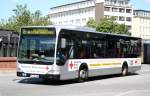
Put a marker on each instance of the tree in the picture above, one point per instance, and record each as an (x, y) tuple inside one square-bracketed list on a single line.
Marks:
[(91, 23), (109, 25), (23, 17), (38, 20)]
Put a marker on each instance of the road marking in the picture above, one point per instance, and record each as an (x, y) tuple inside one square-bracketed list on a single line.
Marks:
[(131, 92)]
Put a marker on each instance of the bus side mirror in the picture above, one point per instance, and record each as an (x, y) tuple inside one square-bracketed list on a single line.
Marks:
[(63, 43)]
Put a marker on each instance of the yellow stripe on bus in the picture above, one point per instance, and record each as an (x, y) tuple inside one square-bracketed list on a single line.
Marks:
[(104, 64)]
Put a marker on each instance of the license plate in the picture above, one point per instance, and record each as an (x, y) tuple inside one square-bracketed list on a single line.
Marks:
[(35, 76)]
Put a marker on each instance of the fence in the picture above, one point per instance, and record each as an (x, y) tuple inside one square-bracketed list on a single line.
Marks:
[(8, 48)]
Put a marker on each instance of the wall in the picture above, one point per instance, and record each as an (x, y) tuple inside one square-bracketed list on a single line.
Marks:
[(7, 62), (141, 27)]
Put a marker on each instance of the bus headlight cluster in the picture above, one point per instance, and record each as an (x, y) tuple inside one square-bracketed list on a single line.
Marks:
[(19, 69)]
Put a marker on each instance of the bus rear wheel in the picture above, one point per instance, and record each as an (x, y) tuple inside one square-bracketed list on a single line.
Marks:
[(82, 75), (124, 70)]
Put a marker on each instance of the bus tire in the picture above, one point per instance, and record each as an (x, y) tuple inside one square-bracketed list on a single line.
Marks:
[(82, 74), (124, 70)]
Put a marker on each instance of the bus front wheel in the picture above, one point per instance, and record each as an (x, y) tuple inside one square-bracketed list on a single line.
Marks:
[(82, 75)]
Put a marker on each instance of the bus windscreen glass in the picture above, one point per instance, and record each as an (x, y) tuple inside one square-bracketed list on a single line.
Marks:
[(37, 46)]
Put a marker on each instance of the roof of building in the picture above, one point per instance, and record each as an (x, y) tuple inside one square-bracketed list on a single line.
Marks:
[(70, 4), (141, 10)]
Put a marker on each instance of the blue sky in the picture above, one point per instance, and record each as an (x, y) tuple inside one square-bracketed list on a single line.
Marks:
[(7, 6)]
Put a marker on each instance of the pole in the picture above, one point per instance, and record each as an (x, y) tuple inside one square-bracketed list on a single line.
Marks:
[(8, 46), (1, 46)]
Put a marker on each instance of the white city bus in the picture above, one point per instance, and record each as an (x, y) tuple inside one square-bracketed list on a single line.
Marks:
[(71, 52)]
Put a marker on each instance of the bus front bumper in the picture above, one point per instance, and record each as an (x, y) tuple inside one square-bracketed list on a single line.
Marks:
[(43, 76)]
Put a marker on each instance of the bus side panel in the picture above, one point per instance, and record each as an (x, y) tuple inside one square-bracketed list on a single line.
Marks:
[(101, 69), (134, 64), (104, 71), (104, 67), (65, 74), (97, 67)]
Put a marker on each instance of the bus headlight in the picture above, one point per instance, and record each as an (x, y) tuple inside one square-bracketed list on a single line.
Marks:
[(19, 69)]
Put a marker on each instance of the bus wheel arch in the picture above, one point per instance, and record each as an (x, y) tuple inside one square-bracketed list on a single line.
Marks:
[(83, 72), (124, 71)]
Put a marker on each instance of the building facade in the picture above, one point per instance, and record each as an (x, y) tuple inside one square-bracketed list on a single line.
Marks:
[(141, 24), (141, 28), (79, 13), (121, 9), (8, 43)]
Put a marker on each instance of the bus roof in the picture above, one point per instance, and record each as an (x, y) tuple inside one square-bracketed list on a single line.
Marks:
[(79, 28)]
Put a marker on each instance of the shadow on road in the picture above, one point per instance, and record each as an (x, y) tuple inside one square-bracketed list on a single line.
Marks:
[(39, 81)]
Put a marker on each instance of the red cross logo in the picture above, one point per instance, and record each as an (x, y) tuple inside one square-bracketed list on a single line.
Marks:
[(137, 61), (46, 68), (71, 65)]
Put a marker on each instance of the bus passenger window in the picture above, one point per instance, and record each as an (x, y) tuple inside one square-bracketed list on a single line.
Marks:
[(82, 54)]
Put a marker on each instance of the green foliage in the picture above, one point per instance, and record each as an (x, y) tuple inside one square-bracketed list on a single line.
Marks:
[(109, 25), (23, 17), (91, 23)]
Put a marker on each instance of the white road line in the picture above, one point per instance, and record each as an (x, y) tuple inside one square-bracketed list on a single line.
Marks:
[(133, 91)]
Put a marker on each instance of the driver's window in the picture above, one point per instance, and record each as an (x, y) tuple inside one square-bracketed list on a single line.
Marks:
[(68, 51)]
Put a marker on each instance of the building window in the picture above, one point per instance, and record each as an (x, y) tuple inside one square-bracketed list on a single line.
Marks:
[(121, 10), (83, 20), (90, 18), (72, 21), (116, 17), (129, 27), (126, 2), (135, 13), (106, 16), (114, 9), (107, 1), (121, 2), (77, 21), (107, 8), (121, 18), (128, 10), (128, 19)]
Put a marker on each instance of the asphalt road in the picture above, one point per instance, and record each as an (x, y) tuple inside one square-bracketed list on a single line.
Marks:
[(137, 84)]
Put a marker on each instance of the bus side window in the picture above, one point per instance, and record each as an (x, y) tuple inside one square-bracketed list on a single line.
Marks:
[(81, 53)]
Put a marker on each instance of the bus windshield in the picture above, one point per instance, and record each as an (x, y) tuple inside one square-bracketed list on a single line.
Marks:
[(37, 46)]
